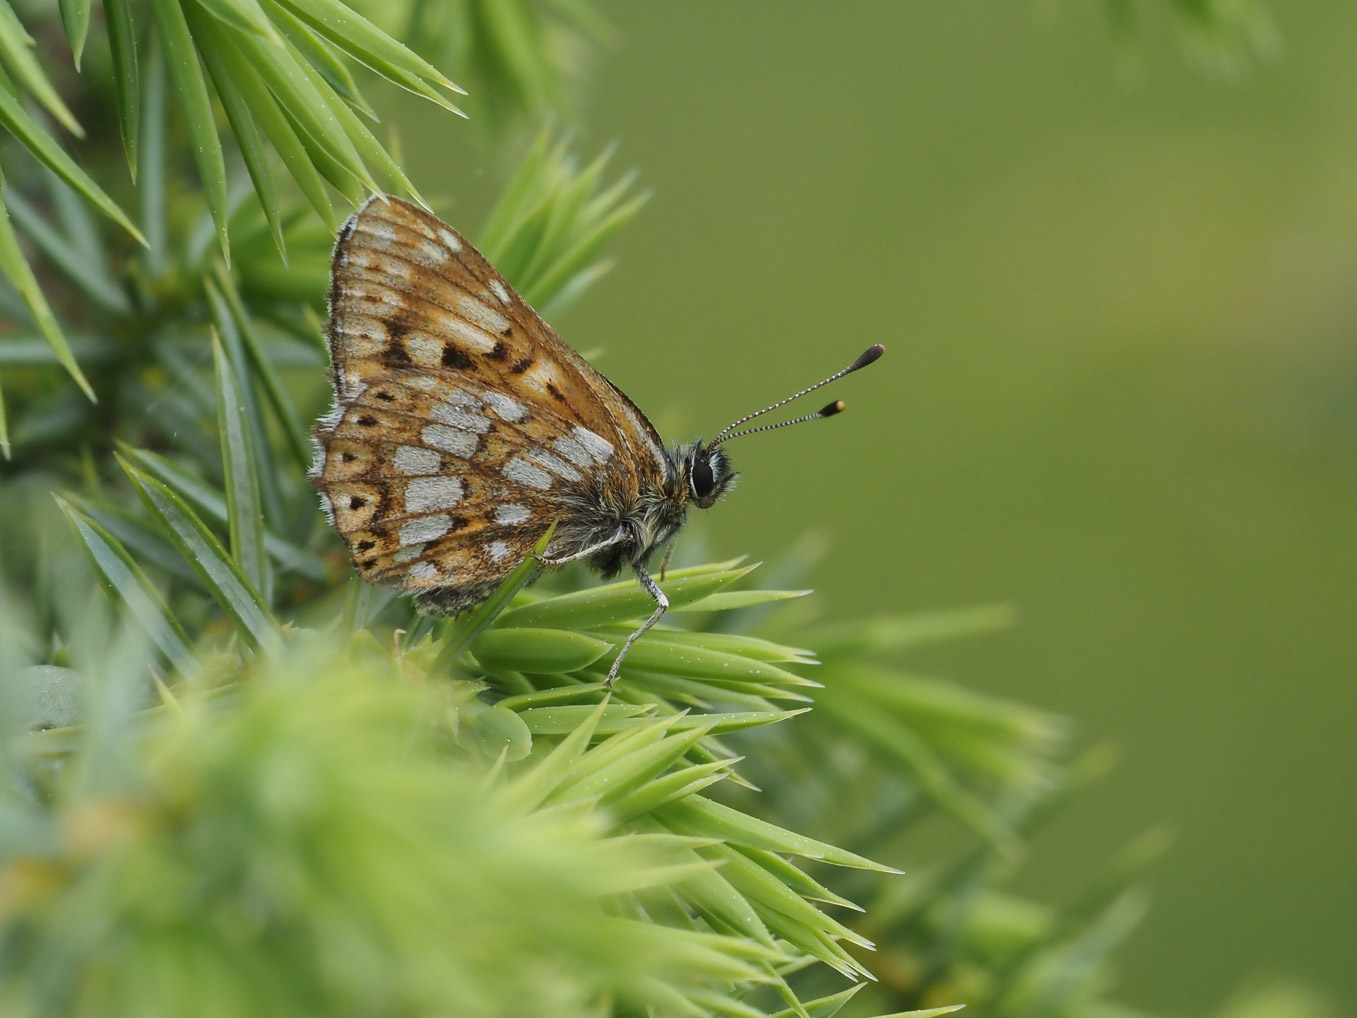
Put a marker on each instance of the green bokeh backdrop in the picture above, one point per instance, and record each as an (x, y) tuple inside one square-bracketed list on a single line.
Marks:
[(1121, 393)]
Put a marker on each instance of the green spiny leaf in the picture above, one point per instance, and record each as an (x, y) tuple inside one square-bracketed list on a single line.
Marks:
[(15, 52), (81, 263), (645, 761), (370, 151), (321, 58), (75, 19), (217, 570), (826, 1007), (17, 270), (458, 636), (19, 123), (316, 113), (283, 408), (129, 585), (732, 600), (537, 650), (355, 35), (618, 602), (212, 502), (239, 462), (243, 15), (704, 818), (667, 788), (122, 44), (181, 57), (231, 70), (252, 149)]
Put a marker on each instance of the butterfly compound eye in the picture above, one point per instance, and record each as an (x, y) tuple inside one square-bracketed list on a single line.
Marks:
[(702, 477)]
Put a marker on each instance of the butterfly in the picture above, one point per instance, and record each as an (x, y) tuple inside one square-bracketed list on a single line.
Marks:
[(464, 427)]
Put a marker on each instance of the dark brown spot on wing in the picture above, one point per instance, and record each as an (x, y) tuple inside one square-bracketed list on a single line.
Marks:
[(521, 366), (367, 421), (499, 353), (365, 545), (357, 502), (556, 394), (455, 358)]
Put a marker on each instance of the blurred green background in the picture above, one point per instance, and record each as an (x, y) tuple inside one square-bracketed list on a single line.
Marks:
[(1120, 393)]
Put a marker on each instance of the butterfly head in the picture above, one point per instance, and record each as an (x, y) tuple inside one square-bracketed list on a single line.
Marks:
[(706, 473)]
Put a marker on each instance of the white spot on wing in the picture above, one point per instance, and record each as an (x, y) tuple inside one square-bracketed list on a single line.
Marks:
[(424, 494), (410, 459), (420, 249), (482, 314), (573, 451), (451, 440), (459, 418), (506, 407), (450, 239), (557, 466), (510, 513), (409, 554), (424, 349), (539, 376), (363, 337), (460, 397), (424, 572), (478, 339), (520, 470), (597, 446), (499, 550), (425, 252), (372, 297), (500, 291), (384, 232), (426, 528)]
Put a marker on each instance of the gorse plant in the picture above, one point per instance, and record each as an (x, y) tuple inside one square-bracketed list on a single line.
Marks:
[(238, 781)]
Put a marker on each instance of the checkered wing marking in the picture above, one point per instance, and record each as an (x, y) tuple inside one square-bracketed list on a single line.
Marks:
[(408, 291), (445, 490)]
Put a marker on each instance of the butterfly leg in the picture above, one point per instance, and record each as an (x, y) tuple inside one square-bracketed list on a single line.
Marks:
[(575, 557), (661, 606), (664, 566)]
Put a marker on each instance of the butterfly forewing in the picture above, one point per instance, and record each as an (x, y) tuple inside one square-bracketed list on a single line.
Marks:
[(408, 290), (464, 425)]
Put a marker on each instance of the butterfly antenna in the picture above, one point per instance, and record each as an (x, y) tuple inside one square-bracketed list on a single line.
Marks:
[(868, 356)]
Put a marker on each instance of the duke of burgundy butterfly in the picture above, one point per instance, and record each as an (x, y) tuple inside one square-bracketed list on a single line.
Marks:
[(463, 427)]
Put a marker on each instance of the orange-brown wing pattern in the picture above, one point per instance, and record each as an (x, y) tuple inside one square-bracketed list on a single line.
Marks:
[(463, 426), (435, 487), (409, 290)]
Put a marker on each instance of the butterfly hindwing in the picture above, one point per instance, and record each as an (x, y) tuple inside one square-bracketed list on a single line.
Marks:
[(434, 484)]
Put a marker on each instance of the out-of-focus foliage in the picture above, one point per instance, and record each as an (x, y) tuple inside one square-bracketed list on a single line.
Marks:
[(328, 831), (276, 71), (1222, 37), (517, 57), (237, 779)]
